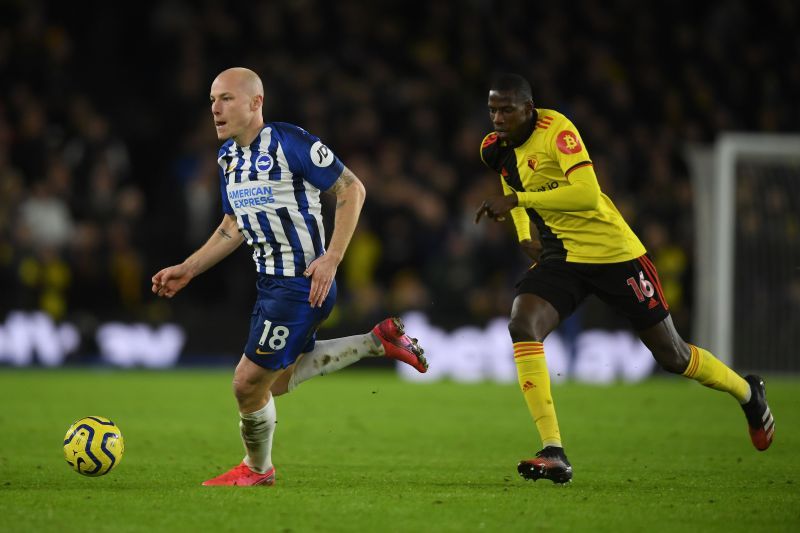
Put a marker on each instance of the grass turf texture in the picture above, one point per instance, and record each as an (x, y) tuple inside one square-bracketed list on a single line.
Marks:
[(363, 451)]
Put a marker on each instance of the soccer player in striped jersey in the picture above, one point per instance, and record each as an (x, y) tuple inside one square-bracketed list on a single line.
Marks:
[(583, 247), (271, 177)]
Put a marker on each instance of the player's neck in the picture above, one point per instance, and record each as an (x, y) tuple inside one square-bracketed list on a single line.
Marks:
[(250, 134), (527, 131)]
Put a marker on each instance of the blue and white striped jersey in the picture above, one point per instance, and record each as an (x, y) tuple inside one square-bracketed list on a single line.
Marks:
[(273, 186)]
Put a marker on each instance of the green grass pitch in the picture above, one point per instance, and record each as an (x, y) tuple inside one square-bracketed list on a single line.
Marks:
[(362, 451)]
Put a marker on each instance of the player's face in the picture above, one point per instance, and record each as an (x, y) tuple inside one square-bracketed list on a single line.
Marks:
[(510, 115), (231, 107)]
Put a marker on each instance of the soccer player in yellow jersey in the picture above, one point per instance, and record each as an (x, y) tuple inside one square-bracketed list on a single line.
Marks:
[(583, 247)]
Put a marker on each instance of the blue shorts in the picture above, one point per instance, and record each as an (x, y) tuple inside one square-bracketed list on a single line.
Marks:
[(283, 324)]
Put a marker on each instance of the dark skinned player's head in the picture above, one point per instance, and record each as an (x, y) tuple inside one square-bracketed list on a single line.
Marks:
[(511, 106)]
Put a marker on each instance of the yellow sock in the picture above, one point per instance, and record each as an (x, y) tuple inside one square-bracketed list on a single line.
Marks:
[(713, 373), (534, 380)]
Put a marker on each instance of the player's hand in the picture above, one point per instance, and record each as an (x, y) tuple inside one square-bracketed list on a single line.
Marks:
[(532, 249), (167, 282), (496, 207), (322, 270)]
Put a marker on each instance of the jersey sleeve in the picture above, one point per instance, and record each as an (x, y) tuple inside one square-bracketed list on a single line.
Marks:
[(310, 158), (491, 155), (490, 152), (565, 146), (226, 203), (522, 222)]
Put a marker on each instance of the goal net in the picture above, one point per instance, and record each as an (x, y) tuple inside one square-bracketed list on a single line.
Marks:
[(748, 251)]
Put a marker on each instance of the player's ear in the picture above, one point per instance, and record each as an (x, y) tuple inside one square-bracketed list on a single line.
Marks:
[(256, 102), (529, 107)]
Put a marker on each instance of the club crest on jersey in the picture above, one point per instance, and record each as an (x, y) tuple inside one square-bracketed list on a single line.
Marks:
[(568, 143), (321, 155), (532, 162), (264, 163)]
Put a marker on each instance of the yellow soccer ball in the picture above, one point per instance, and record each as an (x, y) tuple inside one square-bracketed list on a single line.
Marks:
[(93, 446)]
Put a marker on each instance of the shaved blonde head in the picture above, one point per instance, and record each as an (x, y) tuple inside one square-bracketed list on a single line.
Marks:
[(247, 80), (237, 96)]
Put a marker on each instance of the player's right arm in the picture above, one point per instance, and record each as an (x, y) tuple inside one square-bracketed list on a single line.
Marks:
[(222, 242), (521, 221), (527, 234), (528, 240)]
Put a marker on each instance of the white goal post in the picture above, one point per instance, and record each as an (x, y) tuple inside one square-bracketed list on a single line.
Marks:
[(772, 161)]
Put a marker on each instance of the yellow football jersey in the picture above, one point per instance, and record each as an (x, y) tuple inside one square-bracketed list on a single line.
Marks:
[(557, 189)]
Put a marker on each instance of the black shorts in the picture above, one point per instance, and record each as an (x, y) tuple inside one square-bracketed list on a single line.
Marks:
[(631, 287)]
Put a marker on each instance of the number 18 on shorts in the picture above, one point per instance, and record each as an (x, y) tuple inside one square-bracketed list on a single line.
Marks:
[(283, 324)]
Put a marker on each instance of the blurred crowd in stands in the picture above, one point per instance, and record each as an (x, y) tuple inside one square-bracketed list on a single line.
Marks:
[(108, 153)]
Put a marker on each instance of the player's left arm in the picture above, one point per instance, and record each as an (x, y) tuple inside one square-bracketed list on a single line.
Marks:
[(350, 195), (583, 192)]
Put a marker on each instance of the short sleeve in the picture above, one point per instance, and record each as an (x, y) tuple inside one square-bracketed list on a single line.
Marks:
[(310, 157), (226, 203)]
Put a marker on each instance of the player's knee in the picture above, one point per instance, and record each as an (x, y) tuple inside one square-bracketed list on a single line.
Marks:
[(522, 330), (247, 392)]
